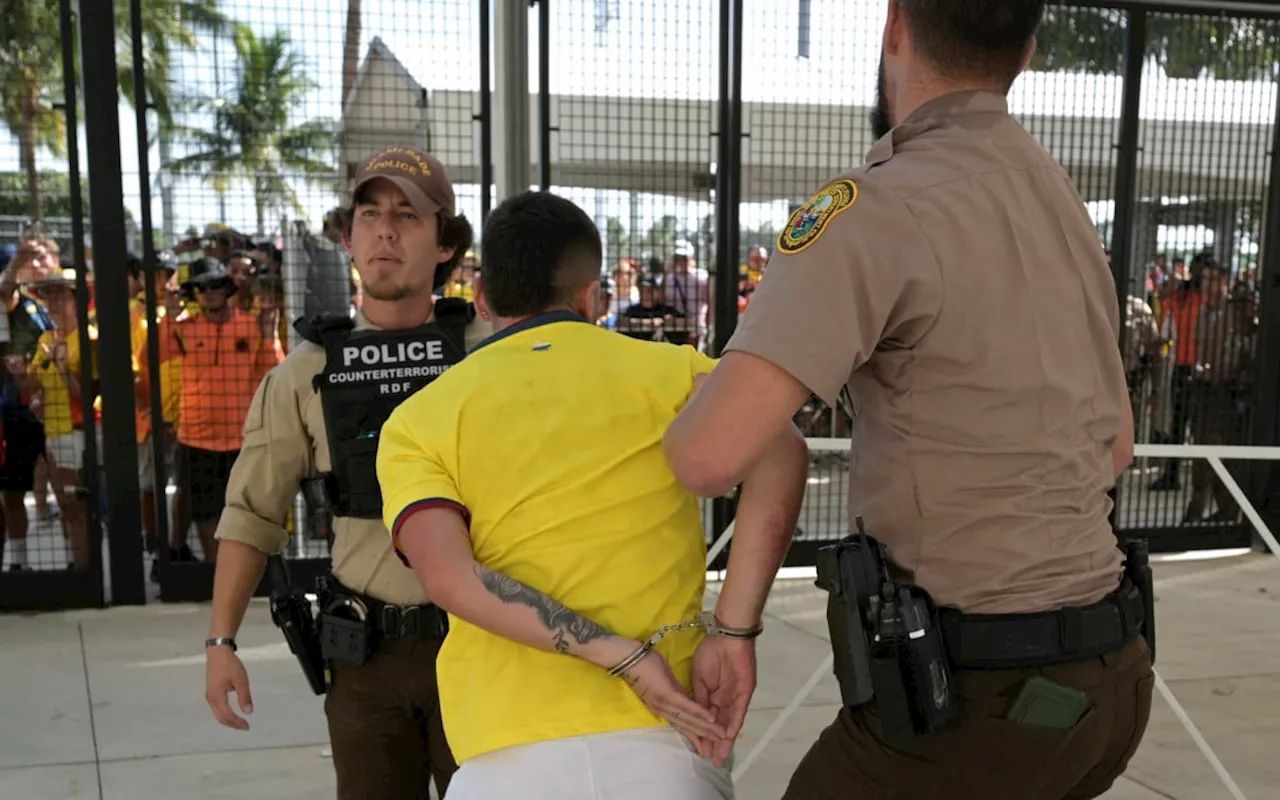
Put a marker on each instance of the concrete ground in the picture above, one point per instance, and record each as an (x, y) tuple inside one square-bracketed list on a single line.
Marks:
[(109, 704)]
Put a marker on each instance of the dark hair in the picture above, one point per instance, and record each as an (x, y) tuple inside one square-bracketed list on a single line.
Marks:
[(268, 284), (455, 232), (539, 249), (270, 249), (135, 266), (452, 232), (977, 38)]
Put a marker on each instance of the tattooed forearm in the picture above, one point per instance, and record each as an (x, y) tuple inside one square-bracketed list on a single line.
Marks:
[(562, 622)]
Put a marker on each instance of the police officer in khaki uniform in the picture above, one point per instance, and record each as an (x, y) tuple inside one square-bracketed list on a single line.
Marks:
[(404, 237), (955, 287)]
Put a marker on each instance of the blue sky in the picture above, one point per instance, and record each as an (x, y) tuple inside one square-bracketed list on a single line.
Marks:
[(665, 49)]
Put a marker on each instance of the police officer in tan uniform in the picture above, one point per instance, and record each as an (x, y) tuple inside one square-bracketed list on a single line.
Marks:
[(955, 287), (380, 630)]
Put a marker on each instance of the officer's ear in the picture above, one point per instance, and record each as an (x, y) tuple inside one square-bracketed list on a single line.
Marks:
[(895, 30), (1028, 55)]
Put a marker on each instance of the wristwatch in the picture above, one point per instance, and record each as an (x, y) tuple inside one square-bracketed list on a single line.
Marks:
[(221, 641)]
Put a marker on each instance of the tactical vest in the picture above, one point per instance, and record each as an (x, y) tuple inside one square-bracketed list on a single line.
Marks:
[(366, 375)]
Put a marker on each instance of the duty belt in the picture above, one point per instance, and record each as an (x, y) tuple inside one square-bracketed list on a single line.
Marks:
[(1000, 641), (399, 622), (413, 622)]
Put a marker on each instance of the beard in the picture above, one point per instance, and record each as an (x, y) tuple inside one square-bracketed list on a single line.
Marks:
[(389, 292), (881, 123)]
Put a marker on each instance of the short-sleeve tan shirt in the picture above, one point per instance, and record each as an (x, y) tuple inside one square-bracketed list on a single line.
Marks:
[(284, 442), (965, 300)]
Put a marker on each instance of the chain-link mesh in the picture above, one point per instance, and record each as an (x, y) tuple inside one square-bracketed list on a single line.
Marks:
[(1208, 110), (632, 111), (48, 485), (265, 122), (632, 90), (259, 115)]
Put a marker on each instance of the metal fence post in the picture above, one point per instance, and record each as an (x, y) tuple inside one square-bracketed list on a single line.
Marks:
[(728, 173), (485, 117), (1126, 185), (544, 94), (511, 33), (1266, 384), (141, 103), (728, 198), (111, 279), (70, 92)]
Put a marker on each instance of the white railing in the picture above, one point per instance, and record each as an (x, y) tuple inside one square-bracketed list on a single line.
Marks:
[(1213, 454)]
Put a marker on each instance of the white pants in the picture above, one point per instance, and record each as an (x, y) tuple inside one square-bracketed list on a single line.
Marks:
[(642, 764), (66, 451)]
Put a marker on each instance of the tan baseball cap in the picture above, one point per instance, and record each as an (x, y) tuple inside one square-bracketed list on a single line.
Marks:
[(421, 177)]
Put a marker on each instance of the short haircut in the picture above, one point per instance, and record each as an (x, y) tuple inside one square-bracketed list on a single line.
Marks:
[(974, 38), (455, 232), (539, 250), (452, 232)]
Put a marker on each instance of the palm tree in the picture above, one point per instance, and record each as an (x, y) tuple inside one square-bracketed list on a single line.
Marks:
[(31, 68), (30, 56), (167, 25), (252, 138)]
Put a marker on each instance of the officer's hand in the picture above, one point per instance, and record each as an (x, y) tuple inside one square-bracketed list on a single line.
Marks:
[(724, 678), (224, 673), (653, 681)]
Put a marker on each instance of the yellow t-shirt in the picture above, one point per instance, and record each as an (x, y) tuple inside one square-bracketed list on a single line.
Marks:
[(59, 416), (549, 435), (170, 377)]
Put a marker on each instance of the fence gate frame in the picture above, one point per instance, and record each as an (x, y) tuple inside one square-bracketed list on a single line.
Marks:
[(99, 94)]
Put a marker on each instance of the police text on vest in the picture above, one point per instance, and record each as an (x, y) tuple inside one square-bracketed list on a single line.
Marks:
[(393, 353)]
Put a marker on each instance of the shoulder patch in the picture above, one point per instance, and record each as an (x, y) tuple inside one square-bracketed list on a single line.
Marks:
[(810, 220)]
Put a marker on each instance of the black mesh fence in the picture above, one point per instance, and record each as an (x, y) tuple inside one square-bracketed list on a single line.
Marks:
[(632, 112), (258, 115), (49, 464), (265, 118), (1209, 102)]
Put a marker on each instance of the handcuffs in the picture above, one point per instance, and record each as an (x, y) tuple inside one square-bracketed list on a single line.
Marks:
[(705, 621)]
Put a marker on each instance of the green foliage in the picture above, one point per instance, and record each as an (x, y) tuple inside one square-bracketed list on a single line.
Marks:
[(167, 27), (253, 138), (1225, 48), (31, 72), (55, 186)]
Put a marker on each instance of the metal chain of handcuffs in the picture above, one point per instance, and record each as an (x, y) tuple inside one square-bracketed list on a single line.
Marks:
[(705, 621)]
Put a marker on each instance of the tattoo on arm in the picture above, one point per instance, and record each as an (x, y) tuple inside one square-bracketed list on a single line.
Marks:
[(555, 617)]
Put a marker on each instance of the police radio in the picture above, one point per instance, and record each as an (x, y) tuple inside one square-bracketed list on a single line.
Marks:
[(887, 641)]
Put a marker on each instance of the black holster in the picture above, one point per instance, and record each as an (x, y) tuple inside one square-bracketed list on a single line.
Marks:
[(353, 625), (887, 641), (291, 613), (1137, 568), (894, 646), (346, 634)]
